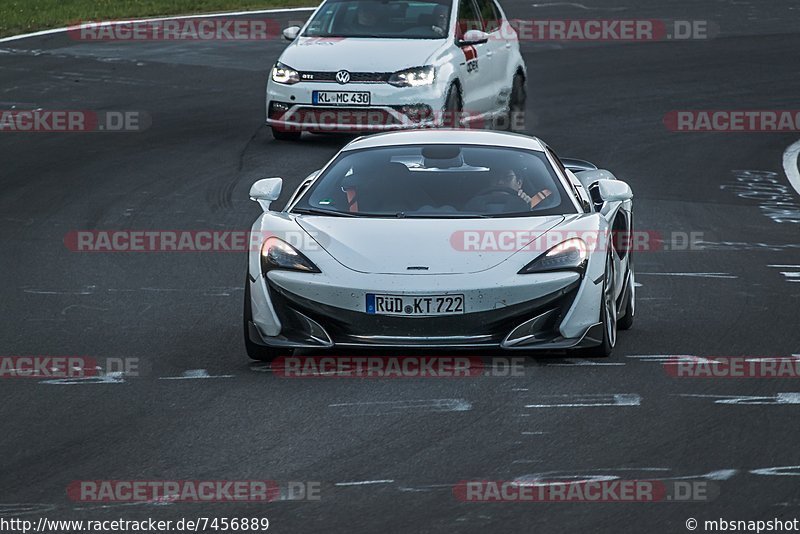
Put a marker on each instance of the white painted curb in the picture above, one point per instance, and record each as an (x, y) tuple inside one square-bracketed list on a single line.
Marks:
[(790, 165)]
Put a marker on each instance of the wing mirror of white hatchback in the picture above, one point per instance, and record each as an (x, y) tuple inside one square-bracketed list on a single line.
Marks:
[(614, 191), (291, 33), (265, 191), (473, 37)]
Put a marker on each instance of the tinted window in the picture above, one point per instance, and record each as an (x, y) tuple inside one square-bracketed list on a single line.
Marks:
[(468, 18), (431, 181), (489, 14), (390, 19)]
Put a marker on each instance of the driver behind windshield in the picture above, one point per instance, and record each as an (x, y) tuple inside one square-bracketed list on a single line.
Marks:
[(367, 16), (506, 195), (512, 181)]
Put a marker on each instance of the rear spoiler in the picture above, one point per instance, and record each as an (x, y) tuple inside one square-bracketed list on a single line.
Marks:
[(578, 165)]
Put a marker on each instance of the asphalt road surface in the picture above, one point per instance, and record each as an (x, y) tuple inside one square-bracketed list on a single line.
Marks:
[(386, 454)]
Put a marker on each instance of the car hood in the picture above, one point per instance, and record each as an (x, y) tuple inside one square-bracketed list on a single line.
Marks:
[(444, 246), (330, 54)]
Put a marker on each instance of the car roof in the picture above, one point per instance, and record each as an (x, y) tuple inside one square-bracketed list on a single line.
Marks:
[(447, 137)]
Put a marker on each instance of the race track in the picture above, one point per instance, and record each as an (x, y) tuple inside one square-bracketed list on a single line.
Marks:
[(413, 439)]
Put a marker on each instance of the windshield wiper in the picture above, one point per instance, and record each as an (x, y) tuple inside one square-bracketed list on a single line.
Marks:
[(443, 215), (318, 211)]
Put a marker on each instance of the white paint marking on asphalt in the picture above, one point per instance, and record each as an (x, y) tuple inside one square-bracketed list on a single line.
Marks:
[(133, 21), (738, 245), (574, 362), (396, 407), (590, 401), (793, 471), (790, 165), (365, 482), (611, 473), (779, 399), (87, 290), (693, 275), (541, 479), (790, 276), (109, 378), (637, 284), (429, 487), (534, 433), (722, 474), (672, 359), (15, 509), (194, 374)]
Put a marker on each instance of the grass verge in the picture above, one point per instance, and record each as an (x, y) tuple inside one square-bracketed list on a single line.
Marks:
[(25, 16)]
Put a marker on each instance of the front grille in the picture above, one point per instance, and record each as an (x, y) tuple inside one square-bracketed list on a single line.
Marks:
[(355, 77), (344, 326)]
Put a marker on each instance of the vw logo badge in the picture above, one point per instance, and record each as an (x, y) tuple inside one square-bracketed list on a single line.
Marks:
[(343, 77)]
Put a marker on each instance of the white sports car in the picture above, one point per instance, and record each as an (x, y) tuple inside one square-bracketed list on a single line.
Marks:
[(442, 238), (372, 65)]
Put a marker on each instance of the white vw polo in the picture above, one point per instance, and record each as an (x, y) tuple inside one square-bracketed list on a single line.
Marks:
[(373, 65)]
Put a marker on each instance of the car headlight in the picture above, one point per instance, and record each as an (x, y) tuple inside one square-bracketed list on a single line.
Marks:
[(283, 74), (278, 254), (571, 255), (413, 77)]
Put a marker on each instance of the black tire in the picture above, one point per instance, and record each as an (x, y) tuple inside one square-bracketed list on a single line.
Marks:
[(255, 351), (452, 108), (282, 135), (515, 120), (626, 321), (608, 316)]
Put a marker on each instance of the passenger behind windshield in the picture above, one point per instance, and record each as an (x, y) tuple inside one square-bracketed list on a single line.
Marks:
[(398, 19)]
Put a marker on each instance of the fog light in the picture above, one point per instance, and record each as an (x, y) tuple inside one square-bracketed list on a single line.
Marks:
[(277, 109), (416, 112)]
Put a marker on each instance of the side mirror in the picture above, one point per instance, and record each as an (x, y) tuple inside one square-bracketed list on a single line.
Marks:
[(265, 191), (614, 191), (291, 33), (473, 37)]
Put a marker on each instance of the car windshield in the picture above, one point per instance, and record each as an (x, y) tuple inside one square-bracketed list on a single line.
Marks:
[(437, 181), (401, 19)]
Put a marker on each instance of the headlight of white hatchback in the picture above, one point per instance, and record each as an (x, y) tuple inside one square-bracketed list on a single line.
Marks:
[(283, 74), (413, 77)]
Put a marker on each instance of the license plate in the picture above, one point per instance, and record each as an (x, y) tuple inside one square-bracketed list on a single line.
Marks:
[(341, 98), (411, 306)]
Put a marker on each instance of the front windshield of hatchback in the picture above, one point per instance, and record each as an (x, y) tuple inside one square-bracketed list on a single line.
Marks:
[(437, 181), (398, 19)]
